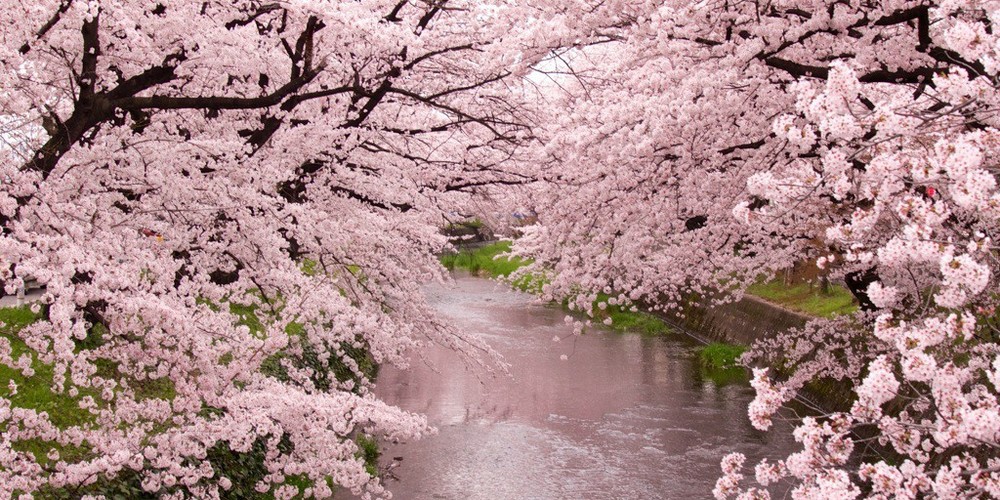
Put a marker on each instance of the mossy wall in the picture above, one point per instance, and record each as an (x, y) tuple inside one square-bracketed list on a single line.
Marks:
[(747, 320), (740, 322)]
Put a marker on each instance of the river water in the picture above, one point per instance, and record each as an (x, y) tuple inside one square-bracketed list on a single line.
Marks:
[(625, 416)]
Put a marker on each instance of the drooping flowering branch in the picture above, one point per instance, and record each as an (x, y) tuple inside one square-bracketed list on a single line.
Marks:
[(716, 143), (233, 207)]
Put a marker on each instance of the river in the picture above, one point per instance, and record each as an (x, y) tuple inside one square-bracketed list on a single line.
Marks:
[(625, 416)]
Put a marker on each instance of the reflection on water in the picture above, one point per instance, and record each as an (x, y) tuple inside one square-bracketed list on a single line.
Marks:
[(626, 416)]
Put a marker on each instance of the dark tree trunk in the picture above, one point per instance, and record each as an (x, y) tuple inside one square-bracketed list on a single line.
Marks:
[(857, 282)]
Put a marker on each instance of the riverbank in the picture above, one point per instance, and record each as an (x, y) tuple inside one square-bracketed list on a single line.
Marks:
[(726, 330), (488, 261), (766, 309)]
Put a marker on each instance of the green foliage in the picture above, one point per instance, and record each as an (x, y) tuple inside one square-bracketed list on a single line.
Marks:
[(35, 392), (488, 261), (625, 320), (807, 298), (720, 356), (368, 451), (718, 362), (126, 485), (324, 373), (485, 260), (244, 470)]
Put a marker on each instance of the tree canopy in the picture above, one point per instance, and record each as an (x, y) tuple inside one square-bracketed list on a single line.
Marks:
[(711, 144), (233, 206)]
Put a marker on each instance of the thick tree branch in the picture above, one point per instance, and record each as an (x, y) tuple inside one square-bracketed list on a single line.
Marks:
[(217, 102)]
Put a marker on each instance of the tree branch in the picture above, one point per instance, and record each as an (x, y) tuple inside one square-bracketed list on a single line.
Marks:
[(217, 102)]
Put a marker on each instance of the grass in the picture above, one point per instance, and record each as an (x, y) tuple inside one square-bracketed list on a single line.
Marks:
[(626, 320), (485, 260), (35, 392), (368, 450), (720, 356), (806, 298), (718, 362), (638, 322), (489, 261), (803, 297)]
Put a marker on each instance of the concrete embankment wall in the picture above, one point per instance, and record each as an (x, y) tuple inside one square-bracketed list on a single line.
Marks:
[(747, 320), (740, 322)]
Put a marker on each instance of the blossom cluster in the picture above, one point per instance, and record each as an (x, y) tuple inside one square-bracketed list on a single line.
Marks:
[(233, 207), (859, 136)]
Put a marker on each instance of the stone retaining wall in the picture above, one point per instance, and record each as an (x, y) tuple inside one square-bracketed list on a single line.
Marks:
[(740, 322), (747, 320)]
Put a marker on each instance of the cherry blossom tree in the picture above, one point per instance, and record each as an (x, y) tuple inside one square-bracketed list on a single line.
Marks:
[(710, 144), (232, 206)]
